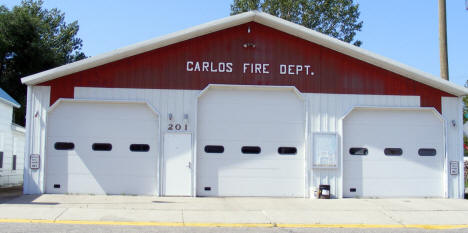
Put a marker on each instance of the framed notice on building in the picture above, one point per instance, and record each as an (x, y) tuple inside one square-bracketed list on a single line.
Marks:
[(325, 150), (34, 161)]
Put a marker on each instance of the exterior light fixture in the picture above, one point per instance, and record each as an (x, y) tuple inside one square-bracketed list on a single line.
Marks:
[(247, 45)]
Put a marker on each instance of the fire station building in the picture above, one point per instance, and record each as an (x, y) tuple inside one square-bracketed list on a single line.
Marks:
[(248, 105)]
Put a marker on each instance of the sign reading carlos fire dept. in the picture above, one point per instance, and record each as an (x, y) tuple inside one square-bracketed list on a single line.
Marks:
[(248, 68)]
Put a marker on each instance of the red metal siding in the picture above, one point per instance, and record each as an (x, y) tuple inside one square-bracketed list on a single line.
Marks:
[(165, 68)]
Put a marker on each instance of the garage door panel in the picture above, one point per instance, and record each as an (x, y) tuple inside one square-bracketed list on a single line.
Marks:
[(269, 150), (280, 97), (409, 130), (250, 168), (234, 119), (88, 184), (394, 187), (392, 170), (237, 113), (101, 127), (251, 132), (118, 171), (232, 186), (112, 165), (397, 117)]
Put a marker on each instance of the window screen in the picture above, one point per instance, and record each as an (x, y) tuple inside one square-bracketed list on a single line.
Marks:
[(251, 150), (139, 147), (393, 151), (287, 150), (358, 151), (214, 149), (64, 146), (427, 152), (14, 163), (102, 146)]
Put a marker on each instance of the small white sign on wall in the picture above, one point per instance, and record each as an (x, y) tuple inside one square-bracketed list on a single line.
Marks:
[(325, 150), (453, 167), (34, 161)]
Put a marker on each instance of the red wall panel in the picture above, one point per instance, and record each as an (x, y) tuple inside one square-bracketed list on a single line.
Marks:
[(165, 68)]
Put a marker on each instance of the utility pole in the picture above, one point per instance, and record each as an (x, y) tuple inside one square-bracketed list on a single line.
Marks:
[(443, 41)]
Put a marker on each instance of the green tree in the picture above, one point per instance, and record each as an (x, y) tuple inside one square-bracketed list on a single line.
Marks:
[(336, 18), (33, 39)]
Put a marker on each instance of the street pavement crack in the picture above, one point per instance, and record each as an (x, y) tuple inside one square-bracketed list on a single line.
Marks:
[(384, 211), (182, 213), (61, 213), (268, 218)]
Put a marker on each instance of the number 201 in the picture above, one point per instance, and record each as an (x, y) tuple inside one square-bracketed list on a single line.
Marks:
[(177, 127)]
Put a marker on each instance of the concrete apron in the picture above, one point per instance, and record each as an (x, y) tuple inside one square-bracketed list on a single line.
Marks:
[(236, 212)]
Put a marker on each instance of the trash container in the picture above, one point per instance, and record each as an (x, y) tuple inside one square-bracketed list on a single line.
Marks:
[(324, 191)]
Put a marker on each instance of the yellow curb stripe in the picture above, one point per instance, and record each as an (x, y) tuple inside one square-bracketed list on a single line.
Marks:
[(194, 224), (339, 226), (437, 227), (229, 225)]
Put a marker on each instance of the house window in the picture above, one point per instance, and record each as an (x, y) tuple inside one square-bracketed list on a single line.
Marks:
[(214, 149), (139, 147), (1, 159), (393, 151), (427, 152), (251, 150), (102, 147), (14, 163), (358, 151)]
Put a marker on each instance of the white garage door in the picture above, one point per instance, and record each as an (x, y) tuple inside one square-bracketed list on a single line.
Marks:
[(102, 148), (250, 143), (393, 153)]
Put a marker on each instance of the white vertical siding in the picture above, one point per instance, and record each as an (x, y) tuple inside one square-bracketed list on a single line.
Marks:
[(325, 112), (38, 101), (452, 110)]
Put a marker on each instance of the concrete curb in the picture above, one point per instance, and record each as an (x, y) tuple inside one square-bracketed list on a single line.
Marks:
[(266, 225)]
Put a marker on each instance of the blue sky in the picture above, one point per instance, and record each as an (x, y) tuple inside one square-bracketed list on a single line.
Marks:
[(406, 31)]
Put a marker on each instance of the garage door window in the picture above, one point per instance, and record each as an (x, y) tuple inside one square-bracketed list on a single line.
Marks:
[(393, 151), (251, 150), (214, 149), (358, 151), (427, 152), (287, 150), (139, 147), (102, 147), (64, 146)]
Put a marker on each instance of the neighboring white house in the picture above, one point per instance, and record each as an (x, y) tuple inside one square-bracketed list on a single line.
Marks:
[(11, 143)]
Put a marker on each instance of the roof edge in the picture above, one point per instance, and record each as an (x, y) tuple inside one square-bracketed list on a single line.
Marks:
[(9, 103), (262, 18), (360, 53), (139, 48)]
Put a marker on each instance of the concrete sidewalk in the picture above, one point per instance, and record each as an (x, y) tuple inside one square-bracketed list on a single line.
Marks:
[(287, 212)]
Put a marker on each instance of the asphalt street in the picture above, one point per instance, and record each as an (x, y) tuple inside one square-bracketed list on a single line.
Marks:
[(52, 228)]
